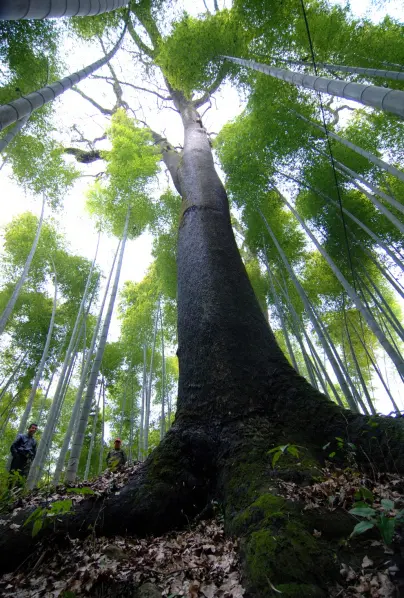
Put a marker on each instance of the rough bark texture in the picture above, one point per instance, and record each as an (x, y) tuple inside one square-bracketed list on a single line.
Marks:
[(238, 397)]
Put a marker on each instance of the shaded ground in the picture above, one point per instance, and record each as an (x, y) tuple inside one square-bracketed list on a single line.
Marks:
[(201, 562)]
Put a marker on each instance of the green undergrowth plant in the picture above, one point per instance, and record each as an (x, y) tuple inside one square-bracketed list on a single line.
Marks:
[(385, 519), (278, 451), (43, 516), (344, 449), (12, 487)]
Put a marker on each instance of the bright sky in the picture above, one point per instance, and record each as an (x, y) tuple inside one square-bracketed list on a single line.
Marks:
[(72, 109)]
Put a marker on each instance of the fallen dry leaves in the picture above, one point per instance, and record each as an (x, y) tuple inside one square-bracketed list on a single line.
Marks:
[(197, 563), (200, 562)]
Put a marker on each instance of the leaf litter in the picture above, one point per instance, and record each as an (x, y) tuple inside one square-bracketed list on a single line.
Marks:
[(200, 562)]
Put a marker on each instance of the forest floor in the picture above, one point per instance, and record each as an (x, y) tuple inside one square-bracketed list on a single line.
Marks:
[(202, 561)]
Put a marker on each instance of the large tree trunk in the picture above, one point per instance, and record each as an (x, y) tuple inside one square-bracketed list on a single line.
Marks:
[(238, 397)]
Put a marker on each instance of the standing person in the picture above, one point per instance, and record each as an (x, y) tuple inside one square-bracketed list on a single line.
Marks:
[(23, 451), (116, 457)]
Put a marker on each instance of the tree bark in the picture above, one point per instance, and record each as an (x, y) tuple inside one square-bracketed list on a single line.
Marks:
[(150, 385), (12, 133), (390, 100), (10, 10), (140, 455), (370, 320), (12, 375), (41, 366), (354, 175), (371, 157), (77, 445), (238, 396), (280, 315), (83, 381), (93, 434), (24, 106), (163, 376), (51, 420), (355, 70), (342, 382), (13, 299), (101, 453)]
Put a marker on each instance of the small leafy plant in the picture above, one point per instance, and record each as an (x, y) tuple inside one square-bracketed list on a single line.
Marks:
[(43, 516), (283, 449), (380, 519), (347, 449), (84, 491)]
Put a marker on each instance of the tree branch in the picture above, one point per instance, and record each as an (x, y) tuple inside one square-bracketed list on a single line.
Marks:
[(82, 156), (214, 87), (165, 98), (138, 41), (105, 111), (170, 156)]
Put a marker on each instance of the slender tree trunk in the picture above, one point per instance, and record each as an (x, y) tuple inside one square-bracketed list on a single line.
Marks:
[(131, 420), (394, 282), (8, 138), (390, 100), (12, 375), (10, 10), (383, 307), (356, 70), (60, 397), (93, 433), (12, 301), (371, 157), (163, 376), (8, 410), (83, 381), (71, 470), (280, 314), (24, 106), (313, 319), (149, 390), (370, 320), (376, 369), (143, 407), (43, 446), (363, 226), (43, 402), (101, 454), (41, 366), (297, 326), (358, 369), (355, 176), (123, 407), (385, 211)]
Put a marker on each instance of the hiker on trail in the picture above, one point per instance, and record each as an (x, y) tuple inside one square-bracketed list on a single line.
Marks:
[(23, 451), (116, 457)]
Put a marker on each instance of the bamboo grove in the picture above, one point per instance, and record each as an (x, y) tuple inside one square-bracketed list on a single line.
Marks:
[(314, 168)]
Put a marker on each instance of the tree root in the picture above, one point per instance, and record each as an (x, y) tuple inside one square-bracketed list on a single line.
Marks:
[(232, 465)]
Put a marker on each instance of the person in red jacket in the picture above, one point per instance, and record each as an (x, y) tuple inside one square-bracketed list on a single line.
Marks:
[(116, 457)]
